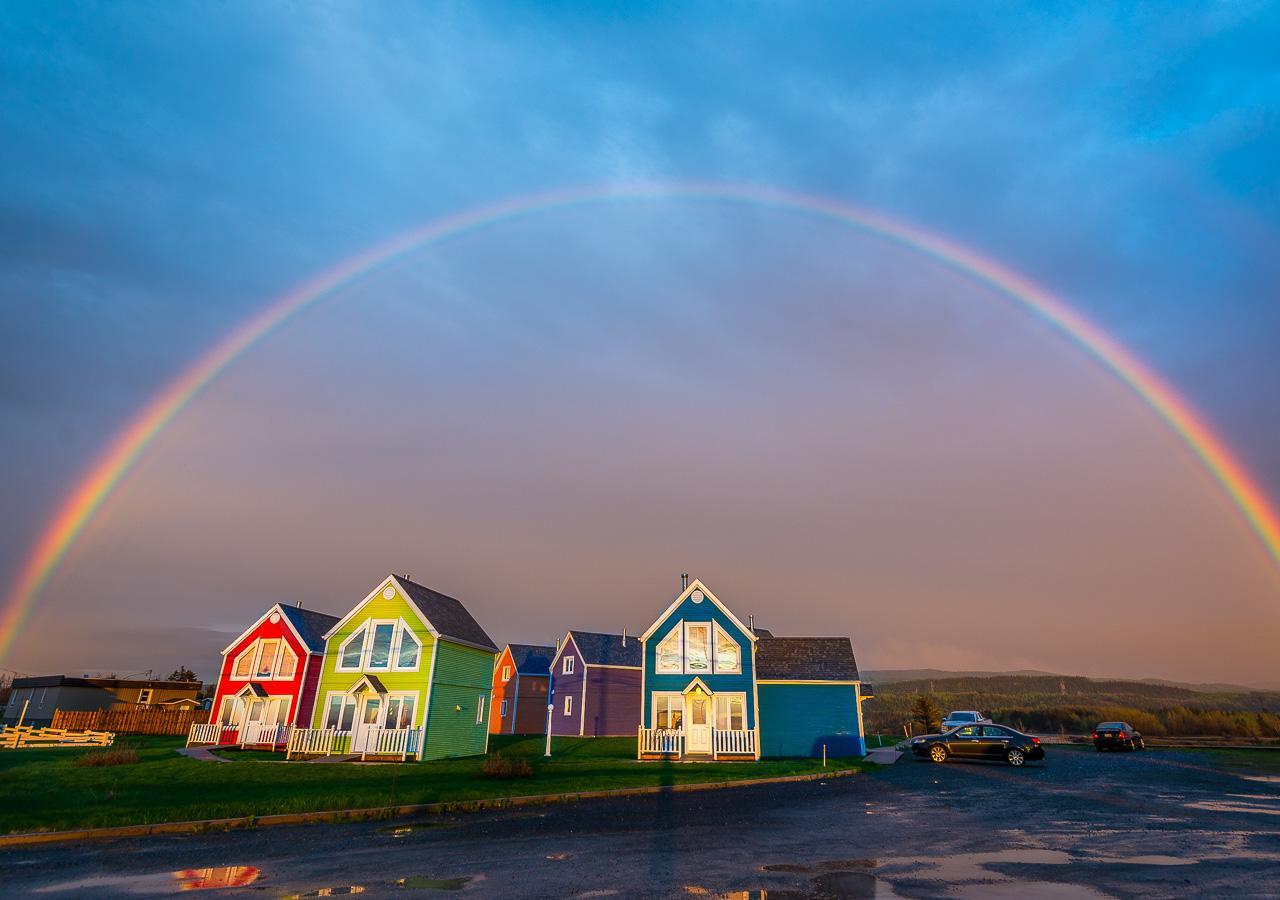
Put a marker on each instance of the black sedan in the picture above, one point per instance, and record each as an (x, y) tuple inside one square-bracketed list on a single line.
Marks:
[(1118, 736), (991, 742)]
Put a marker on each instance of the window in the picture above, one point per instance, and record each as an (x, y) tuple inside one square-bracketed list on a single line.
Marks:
[(288, 665), (729, 712), (568, 704), (968, 731), (232, 711), (480, 710), (566, 667), (352, 650), (400, 711), (266, 659), (410, 648), (697, 643), (668, 710), (728, 653), (340, 712), (244, 662), (668, 653), (994, 731), (506, 673), (502, 710), (380, 646), (144, 696)]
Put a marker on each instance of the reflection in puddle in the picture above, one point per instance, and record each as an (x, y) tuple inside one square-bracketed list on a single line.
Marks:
[(214, 878), (329, 892), (1268, 779), (1236, 806)]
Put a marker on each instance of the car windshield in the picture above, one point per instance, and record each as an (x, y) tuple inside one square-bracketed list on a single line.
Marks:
[(962, 717), (1111, 725)]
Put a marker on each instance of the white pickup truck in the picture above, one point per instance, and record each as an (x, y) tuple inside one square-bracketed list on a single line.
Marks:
[(959, 717)]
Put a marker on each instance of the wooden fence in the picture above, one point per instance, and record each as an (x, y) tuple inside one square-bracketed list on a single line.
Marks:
[(131, 720), (15, 738)]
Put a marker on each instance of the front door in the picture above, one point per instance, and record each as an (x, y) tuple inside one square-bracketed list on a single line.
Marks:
[(697, 723), (368, 718)]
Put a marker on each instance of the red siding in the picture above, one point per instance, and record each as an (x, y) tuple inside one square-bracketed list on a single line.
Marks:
[(293, 688), (498, 723)]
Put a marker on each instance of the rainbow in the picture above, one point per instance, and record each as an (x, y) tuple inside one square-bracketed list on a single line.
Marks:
[(104, 474)]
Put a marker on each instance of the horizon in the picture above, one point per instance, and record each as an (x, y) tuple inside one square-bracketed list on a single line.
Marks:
[(550, 414)]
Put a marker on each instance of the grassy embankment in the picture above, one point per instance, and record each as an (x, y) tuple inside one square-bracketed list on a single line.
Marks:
[(1050, 703), (44, 790)]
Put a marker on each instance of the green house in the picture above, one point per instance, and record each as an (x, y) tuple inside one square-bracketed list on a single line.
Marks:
[(408, 672)]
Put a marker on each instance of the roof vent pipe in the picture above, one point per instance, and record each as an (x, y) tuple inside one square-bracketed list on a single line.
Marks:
[(624, 637), (684, 581), (751, 622)]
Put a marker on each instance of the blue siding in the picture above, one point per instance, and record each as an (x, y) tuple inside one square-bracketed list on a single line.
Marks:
[(706, 611), (797, 719)]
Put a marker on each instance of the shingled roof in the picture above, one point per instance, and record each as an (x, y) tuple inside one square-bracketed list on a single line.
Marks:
[(600, 649), (805, 659), (532, 659), (311, 625), (447, 615)]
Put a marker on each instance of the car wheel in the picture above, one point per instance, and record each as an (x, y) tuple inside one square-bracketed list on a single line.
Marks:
[(938, 753), (1016, 757)]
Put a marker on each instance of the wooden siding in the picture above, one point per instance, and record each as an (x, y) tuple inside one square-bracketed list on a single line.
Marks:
[(571, 685), (503, 690), (797, 719), (706, 611), (613, 702), (463, 674), (291, 688), (531, 705)]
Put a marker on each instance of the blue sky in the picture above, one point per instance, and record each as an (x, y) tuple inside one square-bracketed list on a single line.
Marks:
[(167, 168)]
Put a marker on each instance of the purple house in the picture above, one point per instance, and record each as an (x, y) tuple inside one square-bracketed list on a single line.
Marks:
[(595, 685)]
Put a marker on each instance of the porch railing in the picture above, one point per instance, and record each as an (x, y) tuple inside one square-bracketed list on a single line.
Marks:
[(259, 734), (726, 741), (662, 740), (212, 734), (311, 742), (391, 742)]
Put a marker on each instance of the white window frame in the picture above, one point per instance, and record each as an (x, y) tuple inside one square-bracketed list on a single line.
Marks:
[(716, 632), (362, 633), (252, 652), (668, 696), (397, 639), (568, 704), (367, 657), (401, 696), (684, 646), (729, 695), (566, 665), (502, 709), (678, 631), (144, 697), (506, 674), (480, 710), (355, 707), (285, 650), (275, 662)]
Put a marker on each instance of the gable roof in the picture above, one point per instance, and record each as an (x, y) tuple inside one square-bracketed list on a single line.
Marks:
[(445, 617), (310, 625), (697, 585), (805, 659), (600, 649), (531, 659)]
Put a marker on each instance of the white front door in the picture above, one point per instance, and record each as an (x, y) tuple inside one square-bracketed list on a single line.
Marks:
[(697, 723), (368, 718)]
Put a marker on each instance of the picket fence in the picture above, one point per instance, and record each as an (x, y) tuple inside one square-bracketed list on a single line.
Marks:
[(28, 737), (131, 720)]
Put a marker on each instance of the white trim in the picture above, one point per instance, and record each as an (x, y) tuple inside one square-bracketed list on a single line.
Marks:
[(653, 708), (678, 630), (480, 719), (582, 714), (363, 633), (366, 658), (568, 705), (697, 682), (800, 681), (709, 646), (404, 595), (366, 682), (569, 665), (609, 666), (266, 615), (684, 595), (506, 674), (397, 643), (716, 630), (515, 705)]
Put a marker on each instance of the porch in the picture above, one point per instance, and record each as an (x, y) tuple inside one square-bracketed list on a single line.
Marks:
[(294, 742), (687, 744)]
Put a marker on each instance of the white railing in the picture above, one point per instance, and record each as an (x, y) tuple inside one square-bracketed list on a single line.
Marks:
[(391, 742), (310, 742), (212, 734), (662, 740), (260, 733), (728, 741)]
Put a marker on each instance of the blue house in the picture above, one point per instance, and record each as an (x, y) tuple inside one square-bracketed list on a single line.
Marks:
[(715, 688)]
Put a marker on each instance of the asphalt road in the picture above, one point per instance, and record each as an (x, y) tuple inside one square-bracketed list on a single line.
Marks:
[(1081, 824)]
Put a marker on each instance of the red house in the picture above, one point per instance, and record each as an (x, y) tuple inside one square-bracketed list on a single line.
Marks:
[(520, 680), (269, 675)]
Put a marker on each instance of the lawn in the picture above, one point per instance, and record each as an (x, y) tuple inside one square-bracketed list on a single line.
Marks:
[(1251, 762), (44, 790)]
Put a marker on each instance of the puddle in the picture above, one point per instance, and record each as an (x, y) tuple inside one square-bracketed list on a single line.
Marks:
[(1266, 779), (784, 867), (426, 882), (1154, 859), (329, 892), (1235, 806), (1042, 890), (973, 866), (211, 879), (849, 884), (559, 857)]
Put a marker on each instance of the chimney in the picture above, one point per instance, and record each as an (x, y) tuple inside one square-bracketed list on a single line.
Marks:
[(751, 623), (298, 604), (684, 581)]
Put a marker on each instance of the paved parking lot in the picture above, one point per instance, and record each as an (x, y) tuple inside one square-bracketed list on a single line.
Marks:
[(1081, 824)]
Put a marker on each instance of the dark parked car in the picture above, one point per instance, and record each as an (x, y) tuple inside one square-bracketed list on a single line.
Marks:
[(1117, 736), (993, 742)]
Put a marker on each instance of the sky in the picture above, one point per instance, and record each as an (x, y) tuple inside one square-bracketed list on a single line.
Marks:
[(554, 416)]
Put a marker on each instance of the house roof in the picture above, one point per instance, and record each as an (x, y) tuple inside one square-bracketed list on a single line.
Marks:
[(697, 586), (763, 633), (805, 659), (446, 615), (35, 681), (310, 625), (532, 659), (599, 649)]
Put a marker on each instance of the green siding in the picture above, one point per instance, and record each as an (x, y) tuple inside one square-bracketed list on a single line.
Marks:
[(378, 608), (462, 676), (797, 719)]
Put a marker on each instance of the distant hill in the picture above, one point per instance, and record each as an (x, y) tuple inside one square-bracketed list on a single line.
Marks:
[(895, 676)]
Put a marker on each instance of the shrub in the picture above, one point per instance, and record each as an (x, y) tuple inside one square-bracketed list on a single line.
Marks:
[(504, 767), (109, 756)]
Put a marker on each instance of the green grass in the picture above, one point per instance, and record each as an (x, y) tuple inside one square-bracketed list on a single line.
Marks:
[(44, 790), (1250, 762)]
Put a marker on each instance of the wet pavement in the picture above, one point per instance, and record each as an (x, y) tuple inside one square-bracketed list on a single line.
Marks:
[(1081, 824)]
